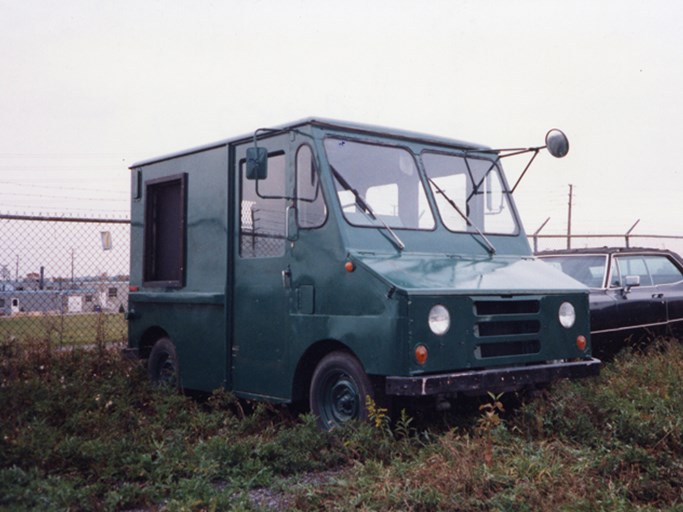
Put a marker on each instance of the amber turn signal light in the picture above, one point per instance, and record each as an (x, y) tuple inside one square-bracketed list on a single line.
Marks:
[(421, 354), (581, 342), (349, 266)]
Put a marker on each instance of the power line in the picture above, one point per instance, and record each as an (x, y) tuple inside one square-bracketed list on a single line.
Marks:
[(62, 208), (66, 167), (44, 196), (69, 155), (58, 187)]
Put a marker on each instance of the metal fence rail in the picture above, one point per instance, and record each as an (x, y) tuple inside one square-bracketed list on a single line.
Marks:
[(63, 279), (569, 240)]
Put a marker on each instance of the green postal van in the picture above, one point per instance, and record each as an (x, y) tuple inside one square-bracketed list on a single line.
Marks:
[(324, 262)]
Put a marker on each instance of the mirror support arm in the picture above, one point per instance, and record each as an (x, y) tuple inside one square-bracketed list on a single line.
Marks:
[(556, 143), (525, 170)]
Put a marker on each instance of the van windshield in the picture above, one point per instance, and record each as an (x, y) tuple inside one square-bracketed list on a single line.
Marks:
[(386, 179), (470, 194)]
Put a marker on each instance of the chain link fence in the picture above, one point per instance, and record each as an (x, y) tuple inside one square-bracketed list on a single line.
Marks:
[(63, 280)]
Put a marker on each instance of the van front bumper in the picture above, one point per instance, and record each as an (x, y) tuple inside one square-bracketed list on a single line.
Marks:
[(493, 380)]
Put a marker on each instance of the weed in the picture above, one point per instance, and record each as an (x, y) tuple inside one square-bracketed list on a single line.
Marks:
[(403, 428), (83, 430), (488, 422), (378, 416)]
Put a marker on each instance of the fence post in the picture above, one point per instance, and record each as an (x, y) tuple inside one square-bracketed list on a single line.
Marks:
[(535, 235), (628, 233)]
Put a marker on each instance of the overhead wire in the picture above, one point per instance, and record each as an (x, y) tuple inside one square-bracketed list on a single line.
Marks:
[(58, 187)]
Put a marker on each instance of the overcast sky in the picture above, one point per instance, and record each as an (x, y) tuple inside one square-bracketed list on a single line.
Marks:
[(89, 87)]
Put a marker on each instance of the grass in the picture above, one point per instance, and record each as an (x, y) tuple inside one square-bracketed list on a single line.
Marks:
[(83, 430), (65, 329)]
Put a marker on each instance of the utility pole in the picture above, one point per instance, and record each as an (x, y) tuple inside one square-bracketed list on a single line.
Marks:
[(569, 217)]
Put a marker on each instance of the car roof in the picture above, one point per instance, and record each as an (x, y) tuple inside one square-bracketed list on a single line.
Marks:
[(610, 251), (605, 250)]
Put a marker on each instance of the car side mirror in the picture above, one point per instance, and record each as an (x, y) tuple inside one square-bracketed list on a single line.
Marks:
[(257, 163), (630, 282)]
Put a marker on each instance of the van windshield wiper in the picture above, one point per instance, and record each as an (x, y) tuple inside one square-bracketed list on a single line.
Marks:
[(487, 243), (366, 209)]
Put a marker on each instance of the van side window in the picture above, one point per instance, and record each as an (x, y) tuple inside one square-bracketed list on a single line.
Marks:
[(262, 211), (310, 203), (165, 227)]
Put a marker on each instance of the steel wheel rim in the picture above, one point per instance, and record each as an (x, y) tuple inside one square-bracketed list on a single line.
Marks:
[(339, 400)]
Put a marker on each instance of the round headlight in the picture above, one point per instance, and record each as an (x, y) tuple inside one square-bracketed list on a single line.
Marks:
[(439, 320), (567, 315)]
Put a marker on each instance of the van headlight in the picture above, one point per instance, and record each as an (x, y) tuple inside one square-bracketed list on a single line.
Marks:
[(567, 315), (439, 320)]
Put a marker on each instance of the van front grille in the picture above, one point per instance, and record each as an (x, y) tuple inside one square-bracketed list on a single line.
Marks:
[(511, 326), (506, 327), (507, 307)]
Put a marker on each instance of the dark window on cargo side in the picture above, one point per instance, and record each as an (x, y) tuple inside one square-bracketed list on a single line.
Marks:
[(165, 225), (262, 211)]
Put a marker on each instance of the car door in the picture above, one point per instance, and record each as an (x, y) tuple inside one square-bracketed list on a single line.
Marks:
[(668, 279), (638, 307), (261, 270)]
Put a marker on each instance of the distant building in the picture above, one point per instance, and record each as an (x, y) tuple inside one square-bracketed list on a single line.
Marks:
[(109, 296)]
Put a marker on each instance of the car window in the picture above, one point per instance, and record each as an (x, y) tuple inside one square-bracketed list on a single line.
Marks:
[(634, 266), (663, 270), (589, 269), (615, 277)]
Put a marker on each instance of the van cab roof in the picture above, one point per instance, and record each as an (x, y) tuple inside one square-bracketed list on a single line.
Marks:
[(333, 124)]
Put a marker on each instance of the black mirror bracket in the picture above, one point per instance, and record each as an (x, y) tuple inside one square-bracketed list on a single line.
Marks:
[(556, 142)]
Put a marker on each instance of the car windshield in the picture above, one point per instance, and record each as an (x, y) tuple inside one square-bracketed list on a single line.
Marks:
[(470, 193), (589, 269), (378, 185)]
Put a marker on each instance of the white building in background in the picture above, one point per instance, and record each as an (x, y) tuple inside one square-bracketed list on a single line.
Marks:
[(86, 296)]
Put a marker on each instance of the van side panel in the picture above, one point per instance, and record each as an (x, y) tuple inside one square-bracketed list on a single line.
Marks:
[(192, 315)]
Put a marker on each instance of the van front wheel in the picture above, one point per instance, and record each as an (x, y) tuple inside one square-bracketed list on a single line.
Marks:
[(338, 390)]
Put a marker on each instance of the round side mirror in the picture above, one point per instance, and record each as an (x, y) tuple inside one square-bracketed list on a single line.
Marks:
[(557, 143)]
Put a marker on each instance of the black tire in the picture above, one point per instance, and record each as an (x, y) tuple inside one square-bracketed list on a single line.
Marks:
[(339, 388), (162, 366)]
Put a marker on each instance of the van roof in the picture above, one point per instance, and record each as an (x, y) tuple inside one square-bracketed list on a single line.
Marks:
[(334, 124)]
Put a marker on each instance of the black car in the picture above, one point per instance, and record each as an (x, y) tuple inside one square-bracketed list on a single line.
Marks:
[(635, 293)]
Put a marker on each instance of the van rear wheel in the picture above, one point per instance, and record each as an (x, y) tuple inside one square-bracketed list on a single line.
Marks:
[(339, 388), (162, 365)]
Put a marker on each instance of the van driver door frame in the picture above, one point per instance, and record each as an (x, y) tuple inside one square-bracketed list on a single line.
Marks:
[(262, 272)]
